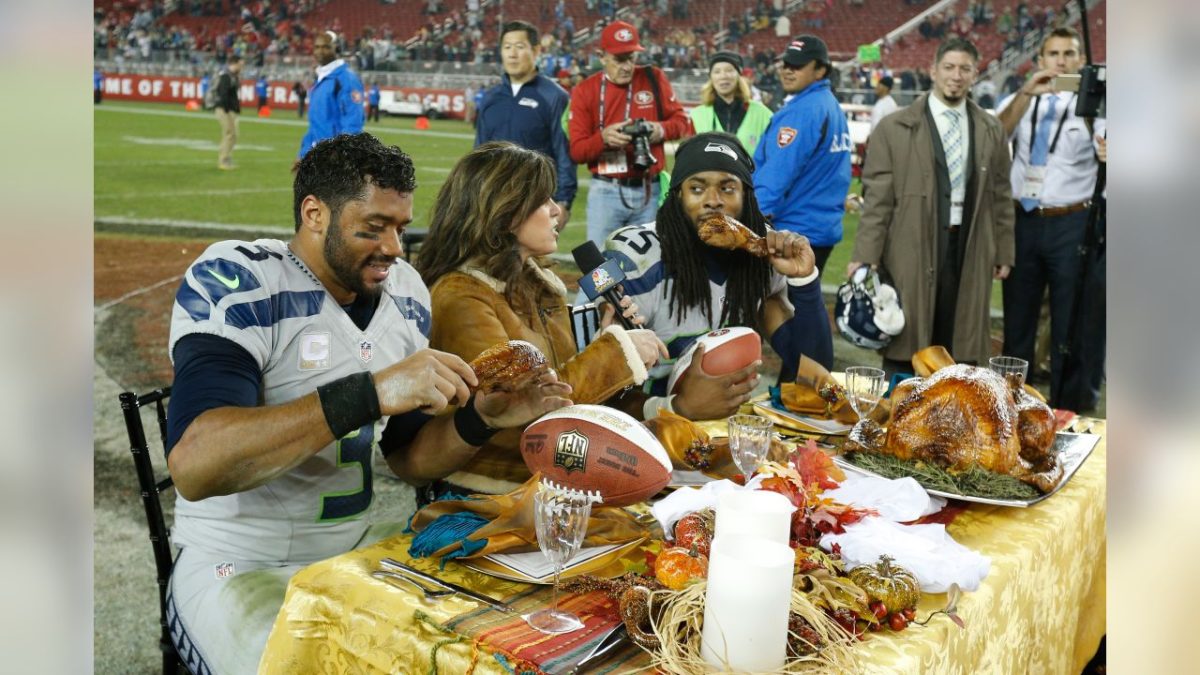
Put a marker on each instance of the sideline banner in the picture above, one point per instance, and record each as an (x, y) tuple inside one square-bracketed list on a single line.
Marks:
[(173, 89)]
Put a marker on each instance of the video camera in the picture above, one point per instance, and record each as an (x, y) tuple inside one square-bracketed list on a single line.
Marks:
[(1093, 86), (640, 130)]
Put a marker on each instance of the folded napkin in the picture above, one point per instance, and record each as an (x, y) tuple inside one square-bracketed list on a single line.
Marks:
[(927, 551), (689, 445), (685, 500), (483, 524), (816, 393), (900, 500)]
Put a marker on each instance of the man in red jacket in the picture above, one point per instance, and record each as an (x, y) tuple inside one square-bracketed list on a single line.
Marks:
[(620, 118)]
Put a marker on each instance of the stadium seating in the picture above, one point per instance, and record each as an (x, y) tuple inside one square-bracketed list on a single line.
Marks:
[(151, 492), (917, 52)]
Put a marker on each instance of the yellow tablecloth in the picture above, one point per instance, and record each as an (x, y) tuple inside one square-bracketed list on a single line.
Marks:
[(1040, 610)]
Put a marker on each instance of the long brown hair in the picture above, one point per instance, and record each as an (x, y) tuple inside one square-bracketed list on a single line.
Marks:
[(489, 192)]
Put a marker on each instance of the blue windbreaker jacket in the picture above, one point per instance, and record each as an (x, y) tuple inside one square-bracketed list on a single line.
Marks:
[(801, 176)]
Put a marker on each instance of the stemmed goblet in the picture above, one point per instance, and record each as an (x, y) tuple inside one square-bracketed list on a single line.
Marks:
[(749, 441), (864, 388), (561, 519)]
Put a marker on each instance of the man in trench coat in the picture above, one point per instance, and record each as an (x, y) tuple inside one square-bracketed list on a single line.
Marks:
[(938, 213)]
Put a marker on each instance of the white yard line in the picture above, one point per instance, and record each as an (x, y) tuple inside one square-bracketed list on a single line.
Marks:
[(246, 119), (135, 293), (193, 224), (191, 193)]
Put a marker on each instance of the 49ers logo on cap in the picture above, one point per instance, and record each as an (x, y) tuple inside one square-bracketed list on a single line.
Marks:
[(797, 45), (785, 137), (623, 35), (643, 98)]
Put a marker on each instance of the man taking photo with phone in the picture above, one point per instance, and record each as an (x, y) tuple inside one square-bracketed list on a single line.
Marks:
[(1053, 179)]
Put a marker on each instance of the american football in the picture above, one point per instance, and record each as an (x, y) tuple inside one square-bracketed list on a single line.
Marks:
[(599, 450), (725, 350)]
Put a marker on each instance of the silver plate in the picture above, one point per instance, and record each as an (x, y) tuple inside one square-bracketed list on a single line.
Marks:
[(1074, 449)]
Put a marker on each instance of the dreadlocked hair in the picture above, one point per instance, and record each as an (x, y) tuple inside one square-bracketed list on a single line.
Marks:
[(489, 192), (683, 255)]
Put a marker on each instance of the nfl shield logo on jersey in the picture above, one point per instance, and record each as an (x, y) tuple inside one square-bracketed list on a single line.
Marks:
[(366, 351), (223, 570)]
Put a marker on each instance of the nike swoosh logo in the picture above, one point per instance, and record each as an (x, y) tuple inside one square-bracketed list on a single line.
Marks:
[(231, 284)]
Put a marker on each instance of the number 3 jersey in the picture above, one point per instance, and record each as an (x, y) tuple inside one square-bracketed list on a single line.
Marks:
[(265, 300)]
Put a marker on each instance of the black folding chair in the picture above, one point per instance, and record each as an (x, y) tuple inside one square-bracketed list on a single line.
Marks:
[(585, 323), (412, 240), (152, 490)]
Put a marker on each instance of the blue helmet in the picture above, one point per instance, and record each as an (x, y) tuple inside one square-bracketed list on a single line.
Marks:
[(868, 311)]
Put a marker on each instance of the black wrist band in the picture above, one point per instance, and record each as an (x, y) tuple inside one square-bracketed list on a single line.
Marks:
[(470, 426), (349, 402)]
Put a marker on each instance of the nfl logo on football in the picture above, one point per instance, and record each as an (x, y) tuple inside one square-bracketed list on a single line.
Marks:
[(570, 451)]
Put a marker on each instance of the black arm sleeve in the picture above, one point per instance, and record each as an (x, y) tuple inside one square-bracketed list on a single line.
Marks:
[(210, 372), (400, 430), (806, 333)]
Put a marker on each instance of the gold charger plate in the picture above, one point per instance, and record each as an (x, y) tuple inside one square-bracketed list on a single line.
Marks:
[(606, 566)]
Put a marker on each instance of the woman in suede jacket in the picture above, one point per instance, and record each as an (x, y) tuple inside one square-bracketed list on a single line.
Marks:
[(493, 222)]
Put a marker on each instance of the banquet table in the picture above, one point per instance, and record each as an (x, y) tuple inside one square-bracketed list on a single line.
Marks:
[(1041, 608)]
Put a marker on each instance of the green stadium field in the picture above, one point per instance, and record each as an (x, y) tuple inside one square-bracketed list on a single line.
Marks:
[(156, 167)]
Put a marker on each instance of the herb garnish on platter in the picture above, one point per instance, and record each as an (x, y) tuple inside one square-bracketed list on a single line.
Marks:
[(974, 482)]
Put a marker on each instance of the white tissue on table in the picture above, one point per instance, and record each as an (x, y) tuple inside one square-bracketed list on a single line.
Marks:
[(900, 499), (927, 551), (689, 499)]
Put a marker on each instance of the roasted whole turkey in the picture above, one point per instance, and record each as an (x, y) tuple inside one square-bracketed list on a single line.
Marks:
[(962, 416)]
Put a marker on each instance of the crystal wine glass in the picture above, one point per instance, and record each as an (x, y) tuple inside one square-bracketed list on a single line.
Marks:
[(749, 441), (561, 519), (864, 388), (1011, 368)]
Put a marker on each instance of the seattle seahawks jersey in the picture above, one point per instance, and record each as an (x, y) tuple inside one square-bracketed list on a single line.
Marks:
[(637, 249), (264, 299)]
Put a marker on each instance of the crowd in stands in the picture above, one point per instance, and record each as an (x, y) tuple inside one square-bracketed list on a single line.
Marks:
[(265, 31), (256, 31)]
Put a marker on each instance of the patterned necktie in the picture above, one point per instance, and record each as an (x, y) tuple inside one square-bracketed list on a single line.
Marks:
[(1039, 154), (953, 147)]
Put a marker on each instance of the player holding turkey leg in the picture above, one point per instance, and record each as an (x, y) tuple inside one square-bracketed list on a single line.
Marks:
[(293, 361), (484, 261), (686, 288)]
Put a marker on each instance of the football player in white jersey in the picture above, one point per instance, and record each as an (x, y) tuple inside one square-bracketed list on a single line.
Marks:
[(293, 360), (684, 288)]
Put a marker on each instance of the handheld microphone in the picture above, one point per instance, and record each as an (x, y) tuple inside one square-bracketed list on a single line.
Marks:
[(600, 277)]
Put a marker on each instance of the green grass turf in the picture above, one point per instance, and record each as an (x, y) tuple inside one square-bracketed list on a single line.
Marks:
[(158, 161)]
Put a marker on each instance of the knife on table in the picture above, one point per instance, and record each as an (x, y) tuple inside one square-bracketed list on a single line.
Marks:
[(615, 638), (461, 590)]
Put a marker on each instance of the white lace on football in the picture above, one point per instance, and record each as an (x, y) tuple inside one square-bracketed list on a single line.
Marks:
[(592, 495)]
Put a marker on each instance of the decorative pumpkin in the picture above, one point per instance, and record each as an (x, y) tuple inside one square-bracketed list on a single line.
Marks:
[(677, 567), (890, 584), (696, 530)]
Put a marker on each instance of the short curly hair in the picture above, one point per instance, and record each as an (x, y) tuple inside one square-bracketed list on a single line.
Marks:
[(338, 169)]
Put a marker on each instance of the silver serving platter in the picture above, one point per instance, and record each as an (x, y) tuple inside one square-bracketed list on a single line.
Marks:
[(1074, 449)]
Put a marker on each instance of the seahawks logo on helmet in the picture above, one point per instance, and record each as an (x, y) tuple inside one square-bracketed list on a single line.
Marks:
[(868, 311)]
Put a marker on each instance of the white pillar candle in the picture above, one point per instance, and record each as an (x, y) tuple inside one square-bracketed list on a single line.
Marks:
[(754, 513), (746, 604)]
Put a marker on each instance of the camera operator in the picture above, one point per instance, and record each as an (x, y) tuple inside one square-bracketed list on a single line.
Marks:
[(1053, 178), (620, 118)]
